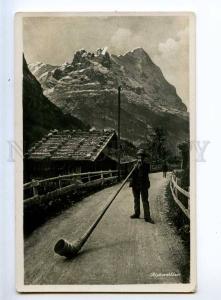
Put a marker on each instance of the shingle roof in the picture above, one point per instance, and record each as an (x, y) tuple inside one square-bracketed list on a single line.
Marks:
[(71, 145)]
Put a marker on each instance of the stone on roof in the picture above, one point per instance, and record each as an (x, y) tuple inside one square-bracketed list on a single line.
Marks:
[(71, 145)]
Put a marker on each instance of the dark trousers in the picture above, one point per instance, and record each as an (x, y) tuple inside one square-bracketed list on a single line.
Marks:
[(144, 195), (164, 174)]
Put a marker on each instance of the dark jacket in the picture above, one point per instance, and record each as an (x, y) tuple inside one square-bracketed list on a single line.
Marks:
[(140, 176)]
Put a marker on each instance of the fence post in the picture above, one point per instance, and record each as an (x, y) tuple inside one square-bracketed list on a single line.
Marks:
[(102, 177), (34, 187), (175, 189), (178, 182), (89, 177)]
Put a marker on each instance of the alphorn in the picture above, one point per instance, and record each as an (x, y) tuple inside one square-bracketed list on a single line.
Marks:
[(70, 250)]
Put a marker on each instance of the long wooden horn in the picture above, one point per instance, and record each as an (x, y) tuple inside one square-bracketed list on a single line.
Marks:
[(70, 250)]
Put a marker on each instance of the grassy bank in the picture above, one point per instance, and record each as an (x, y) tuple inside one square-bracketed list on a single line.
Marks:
[(182, 225)]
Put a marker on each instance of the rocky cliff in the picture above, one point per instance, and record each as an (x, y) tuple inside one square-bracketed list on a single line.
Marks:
[(87, 89), (39, 114)]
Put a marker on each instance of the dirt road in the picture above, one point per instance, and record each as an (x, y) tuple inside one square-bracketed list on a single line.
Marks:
[(120, 251)]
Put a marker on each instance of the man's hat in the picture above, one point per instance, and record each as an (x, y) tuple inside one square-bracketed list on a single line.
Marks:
[(141, 152)]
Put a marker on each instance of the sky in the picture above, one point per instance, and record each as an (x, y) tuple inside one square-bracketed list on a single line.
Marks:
[(54, 40)]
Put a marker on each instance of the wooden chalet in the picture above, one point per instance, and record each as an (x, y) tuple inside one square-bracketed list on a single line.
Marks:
[(71, 151)]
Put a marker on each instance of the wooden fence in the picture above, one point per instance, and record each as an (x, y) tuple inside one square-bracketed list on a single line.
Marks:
[(56, 186), (176, 190)]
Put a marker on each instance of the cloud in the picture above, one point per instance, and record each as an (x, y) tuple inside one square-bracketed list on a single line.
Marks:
[(173, 46), (168, 46), (173, 58), (171, 55)]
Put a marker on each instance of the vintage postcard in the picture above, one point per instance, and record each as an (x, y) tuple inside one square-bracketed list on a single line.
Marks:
[(105, 187)]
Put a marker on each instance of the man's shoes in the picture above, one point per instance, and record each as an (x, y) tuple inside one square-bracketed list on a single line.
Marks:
[(134, 217), (149, 220)]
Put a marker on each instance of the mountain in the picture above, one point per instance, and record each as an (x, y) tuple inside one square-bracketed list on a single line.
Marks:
[(87, 89), (39, 114)]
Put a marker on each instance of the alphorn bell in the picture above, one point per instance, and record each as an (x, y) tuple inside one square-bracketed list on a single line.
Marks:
[(70, 250)]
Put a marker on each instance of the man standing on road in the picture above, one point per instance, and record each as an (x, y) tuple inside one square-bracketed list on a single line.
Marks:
[(140, 184)]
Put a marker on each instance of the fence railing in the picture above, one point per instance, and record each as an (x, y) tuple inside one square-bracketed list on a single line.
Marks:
[(55, 186), (178, 193)]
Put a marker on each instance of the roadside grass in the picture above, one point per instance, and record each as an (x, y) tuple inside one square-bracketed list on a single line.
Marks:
[(182, 225)]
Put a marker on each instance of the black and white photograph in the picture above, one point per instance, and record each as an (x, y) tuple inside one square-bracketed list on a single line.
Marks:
[(105, 196)]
